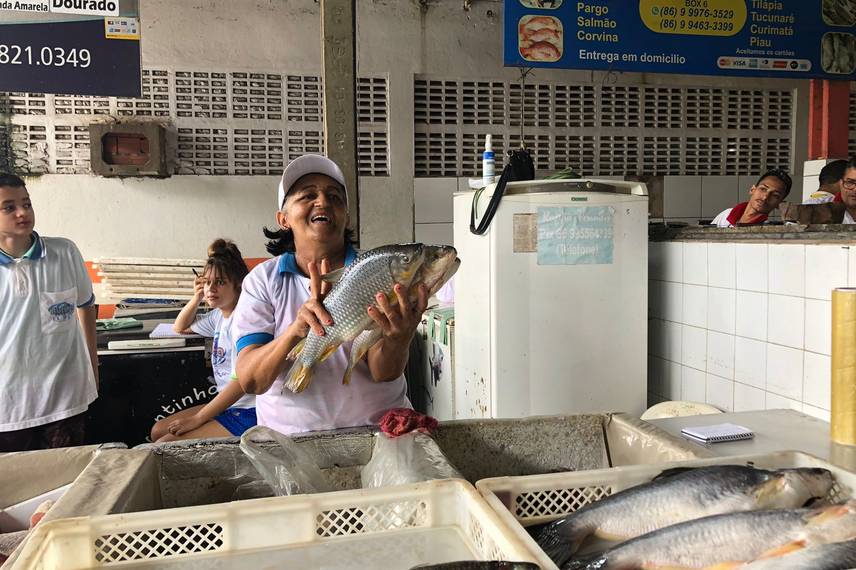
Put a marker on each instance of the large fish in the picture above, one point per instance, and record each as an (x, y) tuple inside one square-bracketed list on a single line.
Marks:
[(724, 542), (835, 556), (680, 495), (375, 271), (479, 565)]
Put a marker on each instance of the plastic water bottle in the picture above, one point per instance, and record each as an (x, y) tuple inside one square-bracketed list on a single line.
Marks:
[(488, 164)]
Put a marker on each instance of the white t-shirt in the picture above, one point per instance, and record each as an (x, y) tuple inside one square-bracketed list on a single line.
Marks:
[(721, 221), (271, 295), (213, 325), (45, 373)]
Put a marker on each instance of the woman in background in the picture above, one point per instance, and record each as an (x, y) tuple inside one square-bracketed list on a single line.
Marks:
[(231, 412)]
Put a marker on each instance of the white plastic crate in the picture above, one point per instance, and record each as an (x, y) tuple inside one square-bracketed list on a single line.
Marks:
[(392, 527), (535, 499)]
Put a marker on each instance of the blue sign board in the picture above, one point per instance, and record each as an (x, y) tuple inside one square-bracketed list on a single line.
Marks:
[(75, 47), (575, 235), (774, 38)]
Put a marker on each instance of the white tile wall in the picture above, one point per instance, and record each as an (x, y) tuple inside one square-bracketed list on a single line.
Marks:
[(816, 380), (825, 269), (656, 260), (784, 371), (721, 309), (818, 326), (756, 335), (695, 305), (432, 199), (694, 348), (748, 398), (720, 393), (750, 362), (721, 265), (787, 269), (682, 196), (720, 354), (786, 320), (752, 267), (751, 317), (673, 262), (693, 385), (695, 263)]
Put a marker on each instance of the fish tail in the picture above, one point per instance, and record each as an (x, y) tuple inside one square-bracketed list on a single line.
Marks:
[(557, 543), (299, 377)]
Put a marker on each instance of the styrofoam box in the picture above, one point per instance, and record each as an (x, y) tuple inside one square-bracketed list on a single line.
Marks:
[(391, 527), (536, 499)]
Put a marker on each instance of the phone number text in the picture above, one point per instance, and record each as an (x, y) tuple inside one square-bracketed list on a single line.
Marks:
[(48, 56)]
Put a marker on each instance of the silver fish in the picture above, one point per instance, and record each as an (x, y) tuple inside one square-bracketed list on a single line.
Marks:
[(479, 565), (725, 542), (681, 495), (375, 271), (835, 556)]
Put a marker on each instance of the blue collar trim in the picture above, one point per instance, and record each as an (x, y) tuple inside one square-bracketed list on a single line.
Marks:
[(288, 263), (36, 251)]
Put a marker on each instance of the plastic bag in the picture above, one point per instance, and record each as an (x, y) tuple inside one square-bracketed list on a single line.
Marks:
[(289, 469), (409, 458)]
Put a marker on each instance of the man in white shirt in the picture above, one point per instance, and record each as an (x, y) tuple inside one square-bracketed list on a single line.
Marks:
[(848, 192), (830, 183), (48, 373)]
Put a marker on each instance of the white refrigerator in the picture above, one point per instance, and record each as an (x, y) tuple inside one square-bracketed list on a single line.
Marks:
[(551, 302)]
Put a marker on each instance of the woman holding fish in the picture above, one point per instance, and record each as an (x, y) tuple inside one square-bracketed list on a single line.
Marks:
[(295, 331)]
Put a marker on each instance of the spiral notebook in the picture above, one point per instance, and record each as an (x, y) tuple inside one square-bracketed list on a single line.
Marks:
[(718, 433)]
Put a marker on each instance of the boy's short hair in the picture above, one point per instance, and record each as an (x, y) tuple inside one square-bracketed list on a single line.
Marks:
[(11, 181), (781, 175), (833, 172)]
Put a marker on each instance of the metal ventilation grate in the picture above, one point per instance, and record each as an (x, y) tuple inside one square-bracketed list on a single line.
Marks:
[(703, 155), (620, 106), (299, 142), (258, 151), (372, 154), (30, 149), (705, 108), (618, 155), (256, 96), (471, 153), (436, 102), (436, 154), (576, 106), (663, 108), (303, 98), (538, 146), (779, 110), (81, 105), (203, 151), (483, 102), (661, 155), (201, 95), (746, 109), (155, 98), (778, 152), (533, 105), (576, 151), (371, 100), (71, 143), (744, 155), (26, 103)]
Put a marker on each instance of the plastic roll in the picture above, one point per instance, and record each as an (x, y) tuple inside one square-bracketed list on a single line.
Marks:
[(843, 417)]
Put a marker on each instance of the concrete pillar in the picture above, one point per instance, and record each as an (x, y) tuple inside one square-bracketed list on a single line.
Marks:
[(338, 32)]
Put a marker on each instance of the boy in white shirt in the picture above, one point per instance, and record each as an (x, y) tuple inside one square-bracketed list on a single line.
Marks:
[(48, 373)]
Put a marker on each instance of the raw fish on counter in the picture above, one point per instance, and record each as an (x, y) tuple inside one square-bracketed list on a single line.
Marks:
[(725, 542), (479, 565), (376, 270), (680, 495)]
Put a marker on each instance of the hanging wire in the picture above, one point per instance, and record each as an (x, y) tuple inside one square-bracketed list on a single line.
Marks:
[(524, 71)]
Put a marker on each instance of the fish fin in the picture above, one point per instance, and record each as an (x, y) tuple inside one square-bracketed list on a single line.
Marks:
[(298, 348), (770, 489), (784, 549), (360, 348), (328, 352), (333, 276), (725, 566), (672, 472), (824, 515), (298, 378)]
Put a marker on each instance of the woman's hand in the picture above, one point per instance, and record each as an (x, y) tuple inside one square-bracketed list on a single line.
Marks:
[(199, 287), (398, 320), (312, 314), (182, 426)]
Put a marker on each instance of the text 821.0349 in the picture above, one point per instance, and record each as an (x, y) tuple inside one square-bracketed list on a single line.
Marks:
[(49, 56)]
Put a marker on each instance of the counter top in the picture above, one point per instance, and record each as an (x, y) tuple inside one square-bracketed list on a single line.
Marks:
[(775, 430), (791, 233)]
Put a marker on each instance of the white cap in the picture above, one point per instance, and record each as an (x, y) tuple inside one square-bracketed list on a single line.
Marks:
[(308, 164)]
